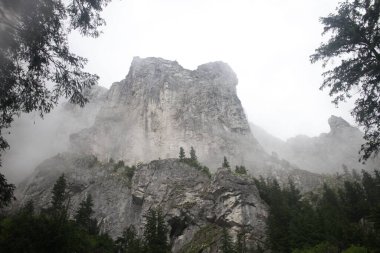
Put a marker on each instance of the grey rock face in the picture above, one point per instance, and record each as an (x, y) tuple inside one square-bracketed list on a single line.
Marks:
[(189, 199), (327, 153), (161, 106)]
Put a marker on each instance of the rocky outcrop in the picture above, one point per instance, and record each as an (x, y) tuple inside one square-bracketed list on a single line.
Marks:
[(327, 153), (192, 202), (161, 106)]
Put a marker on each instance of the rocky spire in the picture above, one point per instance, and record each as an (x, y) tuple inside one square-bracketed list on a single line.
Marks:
[(337, 124)]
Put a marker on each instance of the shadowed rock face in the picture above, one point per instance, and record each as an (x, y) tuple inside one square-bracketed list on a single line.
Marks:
[(327, 153), (189, 199), (161, 106)]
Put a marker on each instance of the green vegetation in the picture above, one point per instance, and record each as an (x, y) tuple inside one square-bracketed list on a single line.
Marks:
[(129, 242), (204, 238), (125, 171), (6, 192), (83, 216), (226, 164), (155, 234), (354, 52), (226, 241), (37, 67), (154, 239), (241, 170), (52, 231), (182, 155), (336, 220), (193, 156), (193, 161)]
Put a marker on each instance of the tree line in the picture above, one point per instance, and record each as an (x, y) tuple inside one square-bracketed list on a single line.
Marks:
[(52, 230), (338, 219), (193, 161)]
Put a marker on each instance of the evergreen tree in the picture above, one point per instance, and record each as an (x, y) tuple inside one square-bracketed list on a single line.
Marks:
[(162, 232), (354, 50), (226, 241), (353, 201), (58, 202), (129, 242), (28, 208), (181, 154), (155, 233), (6, 191), (240, 243), (83, 217), (193, 156), (225, 163), (241, 170)]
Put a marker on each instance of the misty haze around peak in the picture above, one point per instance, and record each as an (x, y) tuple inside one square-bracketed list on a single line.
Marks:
[(201, 126), (34, 139)]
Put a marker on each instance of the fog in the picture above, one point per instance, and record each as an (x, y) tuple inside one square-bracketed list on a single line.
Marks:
[(267, 43), (33, 139)]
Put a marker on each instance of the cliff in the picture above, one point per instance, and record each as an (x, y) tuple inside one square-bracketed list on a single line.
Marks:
[(161, 106), (191, 201)]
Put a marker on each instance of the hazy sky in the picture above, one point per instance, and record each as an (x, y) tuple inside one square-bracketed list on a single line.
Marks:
[(266, 42)]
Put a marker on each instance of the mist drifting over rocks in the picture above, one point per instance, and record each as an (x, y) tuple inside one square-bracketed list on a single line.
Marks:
[(161, 106), (33, 139), (143, 120), (327, 153)]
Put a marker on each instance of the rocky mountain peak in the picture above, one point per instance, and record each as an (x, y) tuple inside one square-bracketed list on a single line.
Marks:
[(337, 123), (221, 72), (160, 106), (152, 65)]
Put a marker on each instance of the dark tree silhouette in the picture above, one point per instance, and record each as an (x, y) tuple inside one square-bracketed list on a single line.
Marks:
[(36, 65), (181, 154), (6, 192), (83, 217), (226, 241), (193, 156), (225, 164), (155, 233), (355, 45)]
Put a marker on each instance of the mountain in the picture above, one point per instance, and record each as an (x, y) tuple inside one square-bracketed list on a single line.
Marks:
[(327, 153), (161, 106), (143, 121), (195, 205)]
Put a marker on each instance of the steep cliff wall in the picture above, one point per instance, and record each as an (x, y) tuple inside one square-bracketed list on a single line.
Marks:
[(161, 106), (189, 199)]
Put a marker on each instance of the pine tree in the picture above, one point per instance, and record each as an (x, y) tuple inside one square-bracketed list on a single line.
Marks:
[(162, 232), (241, 170), (181, 154), (155, 232), (150, 235), (58, 205), (59, 193), (225, 163), (240, 243), (83, 217), (193, 156), (227, 244), (6, 190), (129, 242)]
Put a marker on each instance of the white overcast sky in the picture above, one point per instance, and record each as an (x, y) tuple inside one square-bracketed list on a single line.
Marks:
[(266, 42)]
